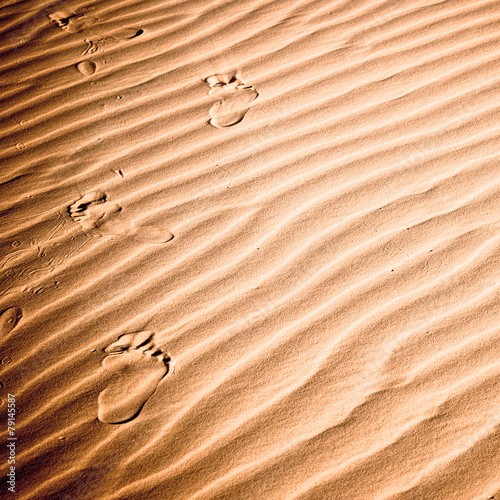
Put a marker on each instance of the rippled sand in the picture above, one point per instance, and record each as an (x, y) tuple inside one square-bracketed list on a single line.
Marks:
[(251, 249)]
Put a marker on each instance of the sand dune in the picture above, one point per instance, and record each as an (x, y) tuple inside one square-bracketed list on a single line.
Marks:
[(250, 250)]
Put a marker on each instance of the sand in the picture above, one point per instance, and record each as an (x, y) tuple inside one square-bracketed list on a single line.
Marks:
[(250, 250)]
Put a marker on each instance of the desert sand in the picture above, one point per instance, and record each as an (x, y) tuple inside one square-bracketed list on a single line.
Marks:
[(250, 250)]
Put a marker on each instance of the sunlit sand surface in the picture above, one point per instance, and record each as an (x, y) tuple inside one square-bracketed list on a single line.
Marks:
[(251, 249)]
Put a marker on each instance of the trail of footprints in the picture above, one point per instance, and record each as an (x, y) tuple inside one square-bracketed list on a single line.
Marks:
[(74, 22), (134, 362), (138, 366), (233, 96)]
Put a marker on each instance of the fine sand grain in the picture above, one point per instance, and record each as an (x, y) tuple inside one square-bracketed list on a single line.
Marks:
[(250, 250)]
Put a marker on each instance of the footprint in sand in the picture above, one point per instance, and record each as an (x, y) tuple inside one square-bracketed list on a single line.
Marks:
[(70, 21), (234, 97), (9, 318), (138, 366), (95, 212), (96, 42)]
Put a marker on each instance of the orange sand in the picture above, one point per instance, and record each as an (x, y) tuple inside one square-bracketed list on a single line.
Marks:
[(251, 249)]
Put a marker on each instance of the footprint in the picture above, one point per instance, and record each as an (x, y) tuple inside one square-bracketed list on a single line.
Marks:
[(70, 21), (61, 18), (87, 68), (94, 211), (94, 43), (9, 319), (138, 366), (234, 97)]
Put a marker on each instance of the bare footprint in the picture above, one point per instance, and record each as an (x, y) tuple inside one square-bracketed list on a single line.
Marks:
[(96, 42), (70, 21), (138, 366), (9, 318), (234, 97), (94, 211)]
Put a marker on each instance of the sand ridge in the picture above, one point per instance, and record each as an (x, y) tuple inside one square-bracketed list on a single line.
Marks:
[(251, 249)]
